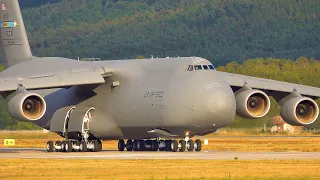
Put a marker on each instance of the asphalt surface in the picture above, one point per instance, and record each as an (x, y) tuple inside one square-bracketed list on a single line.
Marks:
[(28, 153)]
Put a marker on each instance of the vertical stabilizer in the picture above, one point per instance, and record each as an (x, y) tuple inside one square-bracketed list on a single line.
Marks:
[(14, 40)]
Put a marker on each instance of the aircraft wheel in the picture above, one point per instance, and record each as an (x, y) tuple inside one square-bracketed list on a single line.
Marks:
[(68, 146), (190, 145), (96, 146), (77, 144), (198, 145), (58, 144), (83, 146), (134, 145), (63, 146), (162, 145), (121, 145), (174, 145), (99, 145), (50, 146), (168, 145), (182, 145), (129, 145), (140, 145), (155, 145)]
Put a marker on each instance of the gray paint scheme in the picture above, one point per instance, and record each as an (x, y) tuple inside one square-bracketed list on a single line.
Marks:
[(14, 42), (153, 93)]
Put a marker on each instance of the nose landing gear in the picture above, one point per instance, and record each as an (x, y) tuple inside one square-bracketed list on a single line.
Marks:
[(160, 145)]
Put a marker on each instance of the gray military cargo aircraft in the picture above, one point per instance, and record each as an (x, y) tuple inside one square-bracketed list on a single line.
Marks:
[(150, 102)]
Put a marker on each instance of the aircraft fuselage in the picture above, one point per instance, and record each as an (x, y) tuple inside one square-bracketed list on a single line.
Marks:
[(153, 94)]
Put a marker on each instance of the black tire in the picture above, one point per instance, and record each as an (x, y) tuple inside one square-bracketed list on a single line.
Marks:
[(140, 145), (63, 146), (190, 146), (68, 146), (134, 145), (77, 144), (155, 145), (58, 144), (162, 148), (174, 145), (50, 146), (182, 145), (121, 145), (95, 146), (83, 146), (148, 145), (129, 145), (100, 145), (199, 145), (168, 145)]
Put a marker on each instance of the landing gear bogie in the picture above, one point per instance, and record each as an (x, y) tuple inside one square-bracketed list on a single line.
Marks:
[(130, 145), (74, 146), (160, 145)]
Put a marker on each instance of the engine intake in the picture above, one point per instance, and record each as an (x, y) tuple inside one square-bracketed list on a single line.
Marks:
[(27, 106), (252, 103), (300, 111)]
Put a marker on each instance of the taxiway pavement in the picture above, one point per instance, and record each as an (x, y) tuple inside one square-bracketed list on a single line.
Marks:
[(29, 153)]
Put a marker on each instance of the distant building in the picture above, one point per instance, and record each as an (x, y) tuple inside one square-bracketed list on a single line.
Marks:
[(279, 125)]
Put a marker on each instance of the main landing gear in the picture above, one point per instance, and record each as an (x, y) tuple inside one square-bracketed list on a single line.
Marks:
[(162, 145), (74, 146)]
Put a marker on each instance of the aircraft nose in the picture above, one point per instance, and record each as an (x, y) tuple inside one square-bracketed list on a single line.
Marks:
[(221, 104)]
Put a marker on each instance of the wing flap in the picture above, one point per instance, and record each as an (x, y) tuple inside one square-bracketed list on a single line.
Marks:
[(52, 80), (266, 84)]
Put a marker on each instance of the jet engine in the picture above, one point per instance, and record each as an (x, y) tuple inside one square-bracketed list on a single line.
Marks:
[(299, 111), (252, 103), (27, 106)]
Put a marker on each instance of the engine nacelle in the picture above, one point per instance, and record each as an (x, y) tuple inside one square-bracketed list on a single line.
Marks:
[(252, 103), (27, 106), (299, 111)]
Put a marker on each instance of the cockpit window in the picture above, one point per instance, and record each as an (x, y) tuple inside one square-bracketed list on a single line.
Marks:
[(205, 67), (211, 67), (190, 68), (198, 67)]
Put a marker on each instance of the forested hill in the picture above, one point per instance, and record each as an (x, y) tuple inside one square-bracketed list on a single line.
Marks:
[(219, 30)]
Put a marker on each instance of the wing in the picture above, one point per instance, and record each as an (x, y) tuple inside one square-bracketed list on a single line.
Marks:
[(236, 80), (48, 80)]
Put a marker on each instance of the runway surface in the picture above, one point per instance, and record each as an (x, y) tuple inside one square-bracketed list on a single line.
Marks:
[(206, 155)]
